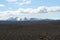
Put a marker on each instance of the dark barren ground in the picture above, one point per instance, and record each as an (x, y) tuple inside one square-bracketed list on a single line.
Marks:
[(36, 30)]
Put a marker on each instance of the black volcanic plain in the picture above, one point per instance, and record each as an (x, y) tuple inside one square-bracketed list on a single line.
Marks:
[(30, 30)]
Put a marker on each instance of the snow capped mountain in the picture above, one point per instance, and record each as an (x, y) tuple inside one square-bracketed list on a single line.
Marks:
[(21, 19), (25, 19)]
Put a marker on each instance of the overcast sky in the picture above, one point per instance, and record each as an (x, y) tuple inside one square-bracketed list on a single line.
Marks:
[(30, 8)]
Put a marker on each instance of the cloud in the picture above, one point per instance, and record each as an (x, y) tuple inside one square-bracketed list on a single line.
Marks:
[(31, 10), (19, 2), (2, 5), (7, 14), (27, 1), (53, 9), (42, 9), (11, 1), (23, 2)]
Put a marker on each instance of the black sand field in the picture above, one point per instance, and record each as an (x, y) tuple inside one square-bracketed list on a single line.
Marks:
[(36, 30)]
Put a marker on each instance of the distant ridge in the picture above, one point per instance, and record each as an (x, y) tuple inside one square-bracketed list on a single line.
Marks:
[(28, 21)]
